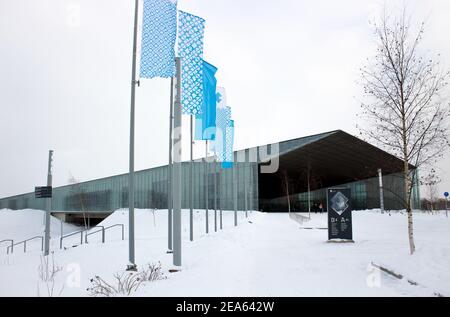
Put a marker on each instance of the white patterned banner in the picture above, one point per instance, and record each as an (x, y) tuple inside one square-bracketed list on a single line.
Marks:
[(223, 117), (190, 50), (159, 32), (228, 146)]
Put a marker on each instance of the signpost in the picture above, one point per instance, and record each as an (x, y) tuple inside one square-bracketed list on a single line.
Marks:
[(446, 200), (46, 192), (43, 192), (339, 214)]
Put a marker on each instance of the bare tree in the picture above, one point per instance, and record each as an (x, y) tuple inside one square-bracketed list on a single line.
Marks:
[(79, 197), (431, 182), (126, 283), (48, 270), (404, 106), (285, 184)]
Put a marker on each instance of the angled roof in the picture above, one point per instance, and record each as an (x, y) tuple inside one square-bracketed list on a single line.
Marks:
[(324, 151), (331, 158)]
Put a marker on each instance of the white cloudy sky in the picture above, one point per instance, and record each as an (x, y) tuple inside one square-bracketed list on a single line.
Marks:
[(290, 68)]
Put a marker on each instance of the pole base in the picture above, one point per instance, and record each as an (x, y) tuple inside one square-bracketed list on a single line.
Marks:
[(175, 270), (131, 267), (340, 241), (169, 251)]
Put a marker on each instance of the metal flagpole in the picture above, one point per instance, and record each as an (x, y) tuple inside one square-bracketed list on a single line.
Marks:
[(61, 224), (245, 192), (446, 207), (176, 170), (191, 211), (169, 174), (309, 196), (380, 184), (215, 195), (131, 258), (48, 206), (235, 193), (206, 188), (220, 197)]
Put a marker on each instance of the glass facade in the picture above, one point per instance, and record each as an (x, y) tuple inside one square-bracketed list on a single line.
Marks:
[(151, 188), (350, 161), (365, 195)]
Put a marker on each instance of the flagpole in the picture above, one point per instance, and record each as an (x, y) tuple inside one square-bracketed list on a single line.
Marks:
[(220, 197), (245, 190), (235, 193), (206, 188), (191, 211), (176, 172), (169, 174), (215, 195), (131, 259)]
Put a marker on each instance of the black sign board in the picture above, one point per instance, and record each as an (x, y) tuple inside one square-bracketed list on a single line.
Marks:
[(43, 192), (339, 214)]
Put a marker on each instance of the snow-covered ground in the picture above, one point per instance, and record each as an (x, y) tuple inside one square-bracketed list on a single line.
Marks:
[(266, 255)]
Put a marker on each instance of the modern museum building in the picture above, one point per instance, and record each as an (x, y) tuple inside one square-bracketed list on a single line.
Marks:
[(291, 174)]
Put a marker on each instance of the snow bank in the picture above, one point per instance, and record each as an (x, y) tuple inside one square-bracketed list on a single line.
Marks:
[(266, 255)]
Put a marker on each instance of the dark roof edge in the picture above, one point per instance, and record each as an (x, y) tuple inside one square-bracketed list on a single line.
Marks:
[(374, 147)]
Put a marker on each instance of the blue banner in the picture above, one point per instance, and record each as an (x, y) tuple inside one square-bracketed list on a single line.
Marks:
[(206, 121), (190, 49), (159, 29), (198, 131)]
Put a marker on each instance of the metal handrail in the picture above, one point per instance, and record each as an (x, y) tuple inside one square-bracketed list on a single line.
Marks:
[(88, 234), (118, 225), (12, 243), (69, 235), (103, 230), (25, 244)]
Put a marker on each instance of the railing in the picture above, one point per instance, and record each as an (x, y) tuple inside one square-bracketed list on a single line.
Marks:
[(25, 244), (118, 225), (102, 230), (298, 218), (10, 241), (69, 235)]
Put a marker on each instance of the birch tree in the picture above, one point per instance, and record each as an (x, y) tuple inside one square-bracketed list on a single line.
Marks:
[(405, 108), (285, 185), (80, 196)]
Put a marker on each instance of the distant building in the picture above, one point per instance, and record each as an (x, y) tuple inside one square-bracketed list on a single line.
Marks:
[(331, 159)]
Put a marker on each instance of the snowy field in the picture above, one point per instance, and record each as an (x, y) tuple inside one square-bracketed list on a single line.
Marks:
[(266, 255)]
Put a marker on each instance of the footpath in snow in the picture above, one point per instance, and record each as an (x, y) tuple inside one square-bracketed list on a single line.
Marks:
[(266, 255)]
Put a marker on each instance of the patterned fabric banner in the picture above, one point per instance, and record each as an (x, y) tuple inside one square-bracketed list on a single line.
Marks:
[(190, 50), (221, 97), (229, 142), (223, 121), (221, 101), (205, 128), (159, 30)]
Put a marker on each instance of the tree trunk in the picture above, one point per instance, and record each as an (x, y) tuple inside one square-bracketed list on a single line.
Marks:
[(287, 193), (408, 184), (407, 181)]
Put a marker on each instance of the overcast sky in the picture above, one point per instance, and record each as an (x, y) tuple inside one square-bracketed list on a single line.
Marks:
[(289, 66)]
